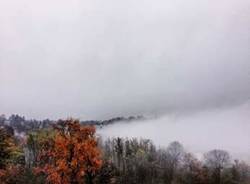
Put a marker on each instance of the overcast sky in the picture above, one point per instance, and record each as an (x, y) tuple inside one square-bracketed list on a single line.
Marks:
[(98, 59)]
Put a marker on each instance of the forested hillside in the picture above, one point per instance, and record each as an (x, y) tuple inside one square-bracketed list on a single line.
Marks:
[(68, 152), (20, 125)]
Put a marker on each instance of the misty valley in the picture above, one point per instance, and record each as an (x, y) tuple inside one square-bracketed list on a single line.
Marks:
[(137, 149), (124, 91)]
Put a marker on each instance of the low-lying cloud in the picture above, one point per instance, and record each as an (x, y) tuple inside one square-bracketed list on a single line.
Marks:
[(226, 129)]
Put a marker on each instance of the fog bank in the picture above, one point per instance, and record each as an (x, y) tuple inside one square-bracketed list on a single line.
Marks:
[(226, 129)]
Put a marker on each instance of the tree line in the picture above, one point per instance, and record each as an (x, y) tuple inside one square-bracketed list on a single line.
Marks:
[(21, 125), (71, 153)]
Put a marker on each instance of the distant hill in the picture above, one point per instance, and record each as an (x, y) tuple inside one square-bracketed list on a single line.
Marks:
[(112, 120), (19, 124)]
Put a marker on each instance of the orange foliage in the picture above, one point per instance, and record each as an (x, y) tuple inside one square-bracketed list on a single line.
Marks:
[(71, 155), (11, 174)]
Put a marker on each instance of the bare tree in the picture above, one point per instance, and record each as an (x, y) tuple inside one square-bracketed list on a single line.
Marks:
[(171, 160), (175, 152), (216, 161)]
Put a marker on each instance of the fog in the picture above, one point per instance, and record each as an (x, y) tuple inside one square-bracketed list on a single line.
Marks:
[(94, 59), (184, 64), (226, 129)]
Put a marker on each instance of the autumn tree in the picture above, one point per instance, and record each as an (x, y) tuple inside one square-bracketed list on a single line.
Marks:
[(73, 156), (35, 142), (10, 153), (192, 171), (11, 158)]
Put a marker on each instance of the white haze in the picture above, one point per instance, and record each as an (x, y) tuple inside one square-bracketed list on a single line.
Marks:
[(226, 129), (187, 61)]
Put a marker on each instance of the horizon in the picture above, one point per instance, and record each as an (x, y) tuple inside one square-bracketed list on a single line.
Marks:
[(125, 91)]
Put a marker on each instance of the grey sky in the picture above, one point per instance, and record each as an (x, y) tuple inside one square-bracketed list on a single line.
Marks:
[(97, 59)]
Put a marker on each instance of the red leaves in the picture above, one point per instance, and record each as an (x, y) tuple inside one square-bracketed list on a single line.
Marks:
[(71, 154), (11, 173)]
